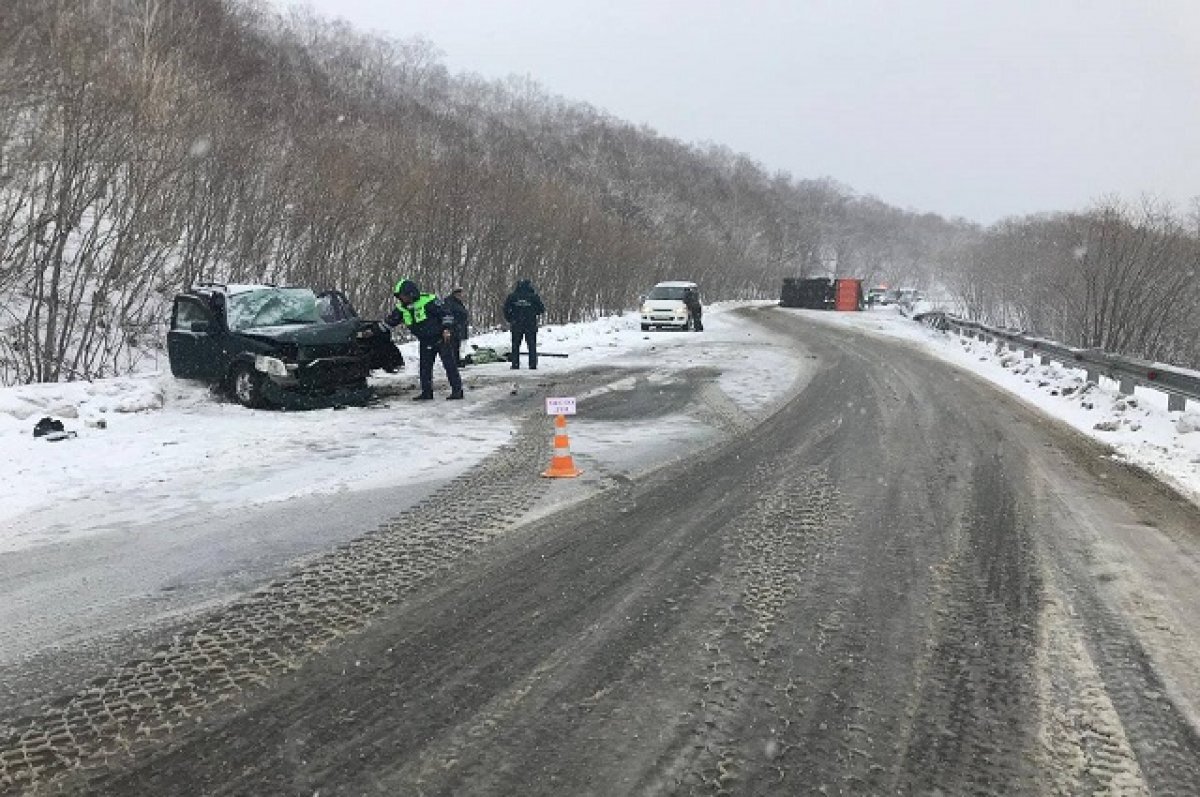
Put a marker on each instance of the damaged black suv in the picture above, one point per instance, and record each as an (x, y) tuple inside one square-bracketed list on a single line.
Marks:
[(276, 346)]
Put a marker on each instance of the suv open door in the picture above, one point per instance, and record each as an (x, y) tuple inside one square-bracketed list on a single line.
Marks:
[(194, 340)]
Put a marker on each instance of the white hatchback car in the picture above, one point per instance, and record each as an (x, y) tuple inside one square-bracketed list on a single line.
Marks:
[(664, 307)]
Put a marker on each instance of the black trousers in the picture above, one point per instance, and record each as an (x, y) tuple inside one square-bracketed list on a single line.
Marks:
[(529, 334), (696, 313), (430, 351)]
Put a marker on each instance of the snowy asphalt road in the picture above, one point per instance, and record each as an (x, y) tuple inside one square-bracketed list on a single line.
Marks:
[(902, 581)]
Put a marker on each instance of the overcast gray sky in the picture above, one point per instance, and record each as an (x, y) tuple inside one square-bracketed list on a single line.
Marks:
[(961, 107)]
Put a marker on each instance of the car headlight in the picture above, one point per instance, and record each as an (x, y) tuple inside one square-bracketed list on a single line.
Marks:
[(271, 365), (645, 309)]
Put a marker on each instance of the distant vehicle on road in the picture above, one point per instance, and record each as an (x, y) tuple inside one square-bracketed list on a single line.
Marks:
[(270, 346), (822, 293), (663, 307), (816, 293), (885, 296)]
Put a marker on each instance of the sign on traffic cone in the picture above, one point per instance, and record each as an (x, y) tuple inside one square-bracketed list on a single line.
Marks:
[(561, 466)]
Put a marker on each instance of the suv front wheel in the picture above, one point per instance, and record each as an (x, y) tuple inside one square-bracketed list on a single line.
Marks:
[(246, 386)]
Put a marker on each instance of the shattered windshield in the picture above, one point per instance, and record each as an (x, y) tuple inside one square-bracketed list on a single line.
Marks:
[(272, 307)]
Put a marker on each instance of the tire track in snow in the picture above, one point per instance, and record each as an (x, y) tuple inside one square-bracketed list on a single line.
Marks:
[(274, 630)]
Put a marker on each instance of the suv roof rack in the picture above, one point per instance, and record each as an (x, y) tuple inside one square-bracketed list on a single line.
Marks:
[(225, 286)]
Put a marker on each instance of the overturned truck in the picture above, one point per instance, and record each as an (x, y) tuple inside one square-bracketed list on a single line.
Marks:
[(820, 293)]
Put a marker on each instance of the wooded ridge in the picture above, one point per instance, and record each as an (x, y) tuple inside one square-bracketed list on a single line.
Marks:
[(148, 144)]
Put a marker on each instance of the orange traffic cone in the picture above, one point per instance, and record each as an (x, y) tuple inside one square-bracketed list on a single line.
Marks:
[(561, 466)]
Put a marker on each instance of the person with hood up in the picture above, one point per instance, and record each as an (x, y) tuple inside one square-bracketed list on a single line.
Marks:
[(462, 318), (521, 311), (432, 324), (691, 300)]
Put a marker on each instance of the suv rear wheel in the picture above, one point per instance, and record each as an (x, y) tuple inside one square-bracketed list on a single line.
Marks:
[(246, 386)]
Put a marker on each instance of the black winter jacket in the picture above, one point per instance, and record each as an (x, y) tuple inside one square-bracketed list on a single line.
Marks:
[(462, 317), (523, 306)]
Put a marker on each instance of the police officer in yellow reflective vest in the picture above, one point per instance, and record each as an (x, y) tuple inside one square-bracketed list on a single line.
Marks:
[(432, 324)]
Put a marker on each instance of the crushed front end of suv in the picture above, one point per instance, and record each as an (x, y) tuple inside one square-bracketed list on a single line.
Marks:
[(269, 346)]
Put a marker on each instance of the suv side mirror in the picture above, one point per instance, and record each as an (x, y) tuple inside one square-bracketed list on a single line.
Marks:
[(202, 327)]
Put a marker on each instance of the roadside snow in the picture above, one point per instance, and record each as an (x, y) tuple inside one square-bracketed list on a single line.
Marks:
[(153, 448), (1139, 428), (183, 452)]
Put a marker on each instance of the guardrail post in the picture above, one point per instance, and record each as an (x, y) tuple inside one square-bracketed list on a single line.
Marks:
[(1127, 385), (1093, 375), (1176, 402), (1028, 354), (1045, 359)]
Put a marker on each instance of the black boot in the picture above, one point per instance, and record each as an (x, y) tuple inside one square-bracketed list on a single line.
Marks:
[(455, 396), (423, 397)]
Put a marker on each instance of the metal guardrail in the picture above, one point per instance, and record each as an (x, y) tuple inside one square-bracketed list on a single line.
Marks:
[(1180, 384)]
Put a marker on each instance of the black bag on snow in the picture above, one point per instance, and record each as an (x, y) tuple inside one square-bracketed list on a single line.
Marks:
[(47, 426)]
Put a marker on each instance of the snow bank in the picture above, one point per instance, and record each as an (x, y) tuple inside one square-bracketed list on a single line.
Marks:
[(1188, 422), (89, 400)]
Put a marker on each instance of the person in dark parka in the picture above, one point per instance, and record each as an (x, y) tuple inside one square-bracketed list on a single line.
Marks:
[(691, 300), (432, 324), (521, 311), (462, 319)]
